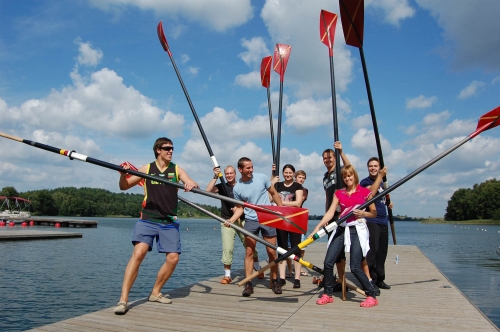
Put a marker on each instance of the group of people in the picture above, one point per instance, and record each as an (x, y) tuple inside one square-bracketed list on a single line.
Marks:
[(364, 235)]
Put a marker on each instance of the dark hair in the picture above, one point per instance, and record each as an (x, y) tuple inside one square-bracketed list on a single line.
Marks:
[(242, 160), (328, 151), (159, 143), (289, 166), (372, 159)]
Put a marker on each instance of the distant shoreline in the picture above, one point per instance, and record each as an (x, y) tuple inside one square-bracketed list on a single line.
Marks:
[(462, 222)]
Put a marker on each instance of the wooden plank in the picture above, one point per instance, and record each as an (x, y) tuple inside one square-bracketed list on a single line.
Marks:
[(421, 298), (29, 234)]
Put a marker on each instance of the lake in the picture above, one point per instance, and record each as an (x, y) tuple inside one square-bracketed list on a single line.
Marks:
[(47, 281)]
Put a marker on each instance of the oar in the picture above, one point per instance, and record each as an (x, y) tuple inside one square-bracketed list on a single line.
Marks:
[(265, 78), (327, 24), (164, 44), (352, 15), (486, 122), (292, 217), (253, 236), (281, 55)]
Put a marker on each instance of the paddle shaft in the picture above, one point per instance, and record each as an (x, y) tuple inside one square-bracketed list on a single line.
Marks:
[(253, 236), (164, 43), (374, 118), (278, 139), (271, 125)]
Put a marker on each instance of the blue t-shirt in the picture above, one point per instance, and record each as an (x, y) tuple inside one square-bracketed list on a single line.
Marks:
[(254, 192), (381, 217)]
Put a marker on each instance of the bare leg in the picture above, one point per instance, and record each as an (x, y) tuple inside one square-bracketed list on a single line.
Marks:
[(271, 253), (249, 250), (132, 269), (165, 272), (366, 270)]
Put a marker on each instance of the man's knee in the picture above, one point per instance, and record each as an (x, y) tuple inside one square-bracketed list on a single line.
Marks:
[(172, 258)]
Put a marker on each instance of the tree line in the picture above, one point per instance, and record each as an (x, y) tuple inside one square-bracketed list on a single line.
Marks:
[(480, 202), (92, 202)]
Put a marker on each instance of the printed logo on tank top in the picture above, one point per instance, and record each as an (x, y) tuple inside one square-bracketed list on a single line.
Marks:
[(329, 181)]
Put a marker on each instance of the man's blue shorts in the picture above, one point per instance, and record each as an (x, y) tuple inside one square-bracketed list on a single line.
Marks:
[(254, 227), (167, 235)]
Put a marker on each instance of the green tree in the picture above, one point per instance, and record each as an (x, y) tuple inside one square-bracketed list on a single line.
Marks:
[(44, 204), (9, 192)]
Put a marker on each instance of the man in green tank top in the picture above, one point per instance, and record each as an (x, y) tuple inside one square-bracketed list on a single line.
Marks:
[(158, 221)]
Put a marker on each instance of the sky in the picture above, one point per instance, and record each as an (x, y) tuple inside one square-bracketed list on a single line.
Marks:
[(91, 76)]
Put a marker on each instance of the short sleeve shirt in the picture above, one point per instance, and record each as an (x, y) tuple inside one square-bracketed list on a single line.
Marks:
[(287, 194), (381, 217), (349, 202), (253, 191)]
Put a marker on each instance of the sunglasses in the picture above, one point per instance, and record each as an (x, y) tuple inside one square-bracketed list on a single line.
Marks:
[(167, 148)]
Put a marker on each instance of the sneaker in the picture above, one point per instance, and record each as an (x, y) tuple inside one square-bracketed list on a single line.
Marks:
[(248, 289), (159, 298), (277, 288), (121, 308), (226, 280), (296, 283)]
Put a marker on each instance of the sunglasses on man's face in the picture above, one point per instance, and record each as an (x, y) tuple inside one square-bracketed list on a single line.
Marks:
[(167, 148)]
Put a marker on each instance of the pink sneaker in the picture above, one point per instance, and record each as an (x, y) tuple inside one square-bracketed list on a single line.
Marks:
[(369, 302), (324, 299)]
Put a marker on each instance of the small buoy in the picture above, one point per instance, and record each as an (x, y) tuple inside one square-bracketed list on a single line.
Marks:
[(12, 224), (2, 223), (32, 223), (24, 224), (57, 225)]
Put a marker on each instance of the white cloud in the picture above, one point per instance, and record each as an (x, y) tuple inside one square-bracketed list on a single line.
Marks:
[(88, 56), (394, 11), (250, 80), (307, 114), (193, 70), (473, 89), (256, 50), (420, 102), (364, 142), (219, 15), (362, 121), (495, 80), (185, 58), (436, 118)]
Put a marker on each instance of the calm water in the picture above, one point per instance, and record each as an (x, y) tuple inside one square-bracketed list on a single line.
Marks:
[(47, 281)]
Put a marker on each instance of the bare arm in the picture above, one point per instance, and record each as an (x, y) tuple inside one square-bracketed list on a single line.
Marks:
[(127, 183), (328, 215), (338, 146), (211, 185), (237, 213), (298, 199)]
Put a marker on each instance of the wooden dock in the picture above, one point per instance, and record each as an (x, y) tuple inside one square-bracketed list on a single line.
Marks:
[(29, 234), (421, 299), (46, 221)]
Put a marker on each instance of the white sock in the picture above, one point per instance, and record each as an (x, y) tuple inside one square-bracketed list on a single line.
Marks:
[(256, 266), (227, 273)]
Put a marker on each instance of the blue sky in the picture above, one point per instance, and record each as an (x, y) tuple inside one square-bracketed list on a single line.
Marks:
[(91, 76)]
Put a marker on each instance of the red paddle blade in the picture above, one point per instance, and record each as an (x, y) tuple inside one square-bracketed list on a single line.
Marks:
[(132, 167), (352, 13), (281, 55), (163, 39), (487, 121), (293, 219), (327, 25), (265, 71)]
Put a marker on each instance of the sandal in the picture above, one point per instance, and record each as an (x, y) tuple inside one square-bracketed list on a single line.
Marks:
[(304, 274), (289, 275), (324, 299), (369, 302)]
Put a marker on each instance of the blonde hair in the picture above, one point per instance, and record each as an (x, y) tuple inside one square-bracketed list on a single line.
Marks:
[(349, 169), (301, 172)]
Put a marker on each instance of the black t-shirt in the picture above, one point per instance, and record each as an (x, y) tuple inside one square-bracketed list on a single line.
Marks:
[(287, 193), (329, 184), (225, 208)]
